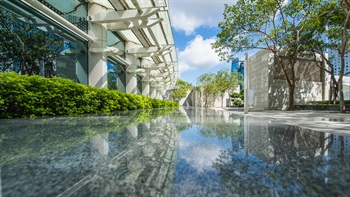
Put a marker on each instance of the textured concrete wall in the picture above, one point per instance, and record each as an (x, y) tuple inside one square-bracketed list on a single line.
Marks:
[(268, 89), (258, 81), (308, 85)]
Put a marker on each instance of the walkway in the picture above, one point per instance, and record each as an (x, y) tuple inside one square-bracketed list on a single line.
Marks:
[(315, 120)]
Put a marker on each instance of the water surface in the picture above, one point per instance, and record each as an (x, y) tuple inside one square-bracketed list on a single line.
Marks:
[(191, 152)]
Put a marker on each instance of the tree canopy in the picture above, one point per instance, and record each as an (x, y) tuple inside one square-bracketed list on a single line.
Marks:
[(180, 90), (327, 36), (220, 82), (280, 27)]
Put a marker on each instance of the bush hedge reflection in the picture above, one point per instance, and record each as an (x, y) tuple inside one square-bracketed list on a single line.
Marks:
[(35, 137)]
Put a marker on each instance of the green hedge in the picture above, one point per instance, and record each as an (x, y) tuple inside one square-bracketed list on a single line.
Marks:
[(32, 96), (347, 102)]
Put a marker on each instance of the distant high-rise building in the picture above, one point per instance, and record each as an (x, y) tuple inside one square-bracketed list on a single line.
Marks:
[(238, 66), (336, 61)]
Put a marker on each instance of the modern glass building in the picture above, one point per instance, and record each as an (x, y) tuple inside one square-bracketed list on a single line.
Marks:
[(335, 59), (238, 65), (131, 38)]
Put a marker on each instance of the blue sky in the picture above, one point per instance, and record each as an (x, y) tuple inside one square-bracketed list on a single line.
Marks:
[(195, 26)]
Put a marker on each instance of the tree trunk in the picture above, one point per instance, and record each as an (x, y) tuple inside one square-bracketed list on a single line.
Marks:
[(291, 97), (222, 100), (341, 95)]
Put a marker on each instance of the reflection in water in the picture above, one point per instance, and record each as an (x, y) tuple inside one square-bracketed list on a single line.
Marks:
[(284, 160), (132, 161), (191, 152)]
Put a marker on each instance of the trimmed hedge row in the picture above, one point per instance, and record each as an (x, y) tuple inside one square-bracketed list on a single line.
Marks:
[(347, 102), (32, 96)]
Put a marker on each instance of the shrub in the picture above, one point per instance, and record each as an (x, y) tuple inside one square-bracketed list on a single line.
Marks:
[(31, 96), (347, 102), (238, 98)]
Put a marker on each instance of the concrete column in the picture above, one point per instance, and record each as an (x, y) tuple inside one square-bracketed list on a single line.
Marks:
[(97, 61), (131, 78), (131, 81), (158, 94), (153, 91), (145, 84), (246, 104), (145, 88)]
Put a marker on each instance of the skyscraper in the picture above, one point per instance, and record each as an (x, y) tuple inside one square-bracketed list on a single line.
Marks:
[(238, 65), (336, 61)]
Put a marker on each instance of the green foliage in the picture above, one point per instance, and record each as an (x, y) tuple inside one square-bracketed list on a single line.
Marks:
[(220, 82), (238, 98), (181, 89), (112, 81), (207, 82), (329, 29), (346, 102), (31, 96)]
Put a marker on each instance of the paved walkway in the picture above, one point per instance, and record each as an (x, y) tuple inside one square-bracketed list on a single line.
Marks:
[(332, 122)]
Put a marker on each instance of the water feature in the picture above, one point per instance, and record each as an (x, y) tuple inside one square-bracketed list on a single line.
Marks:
[(190, 152)]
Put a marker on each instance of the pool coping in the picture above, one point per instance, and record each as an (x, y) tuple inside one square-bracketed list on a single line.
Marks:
[(326, 121)]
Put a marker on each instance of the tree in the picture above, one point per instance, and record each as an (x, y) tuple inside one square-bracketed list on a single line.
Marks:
[(238, 98), (207, 82), (273, 25), (327, 31), (226, 81), (112, 80), (24, 47), (180, 90)]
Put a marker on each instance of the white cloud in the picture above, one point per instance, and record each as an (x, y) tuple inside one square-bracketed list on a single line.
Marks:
[(188, 15), (200, 156), (198, 54), (188, 24)]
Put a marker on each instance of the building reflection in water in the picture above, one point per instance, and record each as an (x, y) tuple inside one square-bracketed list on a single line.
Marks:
[(138, 160), (230, 155), (285, 160)]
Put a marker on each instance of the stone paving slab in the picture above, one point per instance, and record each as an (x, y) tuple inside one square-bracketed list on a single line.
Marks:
[(315, 120)]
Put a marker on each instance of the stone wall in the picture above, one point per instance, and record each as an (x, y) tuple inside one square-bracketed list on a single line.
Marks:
[(258, 76), (267, 88)]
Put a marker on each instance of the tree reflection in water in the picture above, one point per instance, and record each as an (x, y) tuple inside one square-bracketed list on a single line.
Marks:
[(286, 161)]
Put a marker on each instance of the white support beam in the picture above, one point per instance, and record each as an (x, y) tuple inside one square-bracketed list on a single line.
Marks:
[(153, 37), (121, 60), (117, 4), (155, 66), (160, 53), (137, 6), (109, 50), (149, 50), (135, 24), (125, 15)]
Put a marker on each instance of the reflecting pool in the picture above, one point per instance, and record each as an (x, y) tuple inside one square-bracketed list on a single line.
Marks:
[(190, 152)]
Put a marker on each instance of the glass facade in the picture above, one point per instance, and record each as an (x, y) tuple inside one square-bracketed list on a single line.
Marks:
[(70, 57), (74, 11), (238, 66)]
